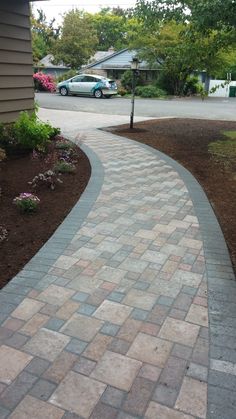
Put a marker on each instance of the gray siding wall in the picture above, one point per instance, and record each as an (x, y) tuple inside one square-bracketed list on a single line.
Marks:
[(16, 63)]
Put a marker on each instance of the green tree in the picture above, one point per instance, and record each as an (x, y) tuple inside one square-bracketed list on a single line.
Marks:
[(44, 34), (78, 39), (182, 38), (205, 14), (113, 28), (228, 65)]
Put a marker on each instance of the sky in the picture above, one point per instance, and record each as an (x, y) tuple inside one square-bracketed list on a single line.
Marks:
[(55, 8)]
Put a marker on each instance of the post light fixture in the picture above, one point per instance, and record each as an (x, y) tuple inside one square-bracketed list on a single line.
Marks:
[(134, 67)]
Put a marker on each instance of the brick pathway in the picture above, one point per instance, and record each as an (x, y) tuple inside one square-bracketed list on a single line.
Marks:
[(110, 319)]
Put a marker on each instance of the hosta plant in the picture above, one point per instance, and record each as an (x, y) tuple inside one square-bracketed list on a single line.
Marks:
[(26, 202), (64, 167)]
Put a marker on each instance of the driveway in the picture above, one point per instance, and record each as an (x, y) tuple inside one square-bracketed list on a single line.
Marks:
[(211, 108)]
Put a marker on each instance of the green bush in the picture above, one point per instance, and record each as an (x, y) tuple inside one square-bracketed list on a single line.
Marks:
[(191, 86), (27, 202), (2, 154), (127, 80), (64, 167), (31, 133), (150, 91), (6, 135), (64, 145), (68, 75)]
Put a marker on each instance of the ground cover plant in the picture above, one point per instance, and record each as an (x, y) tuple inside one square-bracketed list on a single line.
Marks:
[(207, 150), (34, 199)]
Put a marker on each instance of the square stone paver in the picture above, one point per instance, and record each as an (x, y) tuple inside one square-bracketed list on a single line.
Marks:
[(85, 283), (107, 273), (117, 370), (78, 394), (179, 331), (35, 323), (150, 349), (82, 327), (198, 314), (47, 344), (12, 362), (113, 312), (27, 308), (192, 398), (65, 262), (191, 243), (36, 409), (155, 257), (134, 265), (187, 278), (60, 367), (66, 311), (55, 295), (157, 411), (140, 299), (97, 347)]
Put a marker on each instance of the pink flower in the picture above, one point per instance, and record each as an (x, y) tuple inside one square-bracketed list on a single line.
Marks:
[(46, 81)]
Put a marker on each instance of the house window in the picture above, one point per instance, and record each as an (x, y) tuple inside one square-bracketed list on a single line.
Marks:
[(115, 74)]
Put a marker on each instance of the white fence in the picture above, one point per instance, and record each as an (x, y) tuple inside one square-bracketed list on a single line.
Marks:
[(220, 91)]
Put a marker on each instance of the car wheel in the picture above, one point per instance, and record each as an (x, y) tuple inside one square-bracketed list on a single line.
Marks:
[(98, 94), (63, 91)]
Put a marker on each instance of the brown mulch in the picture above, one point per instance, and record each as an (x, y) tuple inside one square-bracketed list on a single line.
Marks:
[(28, 232), (186, 140)]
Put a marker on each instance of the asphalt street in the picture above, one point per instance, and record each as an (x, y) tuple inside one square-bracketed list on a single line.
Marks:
[(210, 108)]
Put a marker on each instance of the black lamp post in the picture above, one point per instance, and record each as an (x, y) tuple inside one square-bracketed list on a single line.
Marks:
[(134, 67)]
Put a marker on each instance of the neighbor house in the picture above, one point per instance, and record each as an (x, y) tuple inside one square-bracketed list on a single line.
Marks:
[(16, 63), (114, 65), (47, 66)]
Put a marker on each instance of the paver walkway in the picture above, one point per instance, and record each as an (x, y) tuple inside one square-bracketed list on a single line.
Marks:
[(110, 319)]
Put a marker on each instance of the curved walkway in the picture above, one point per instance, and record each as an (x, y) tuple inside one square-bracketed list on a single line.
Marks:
[(110, 319)]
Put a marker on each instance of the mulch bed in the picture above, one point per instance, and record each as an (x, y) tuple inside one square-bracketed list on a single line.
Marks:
[(186, 140), (28, 232)]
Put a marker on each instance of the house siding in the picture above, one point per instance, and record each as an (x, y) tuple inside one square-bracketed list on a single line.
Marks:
[(16, 63)]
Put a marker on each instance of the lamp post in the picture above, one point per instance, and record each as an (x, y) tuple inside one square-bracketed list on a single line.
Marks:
[(134, 68)]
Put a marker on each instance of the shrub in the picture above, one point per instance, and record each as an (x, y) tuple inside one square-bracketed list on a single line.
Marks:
[(64, 167), (2, 154), (122, 91), (64, 145), (3, 233), (149, 91), (31, 133), (48, 178), (191, 86), (26, 202), (44, 82), (6, 135), (127, 80)]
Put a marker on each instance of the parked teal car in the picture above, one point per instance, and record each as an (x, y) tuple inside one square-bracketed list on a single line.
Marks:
[(88, 84)]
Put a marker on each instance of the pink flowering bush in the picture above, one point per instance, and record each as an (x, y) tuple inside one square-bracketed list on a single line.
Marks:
[(44, 82), (26, 202)]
